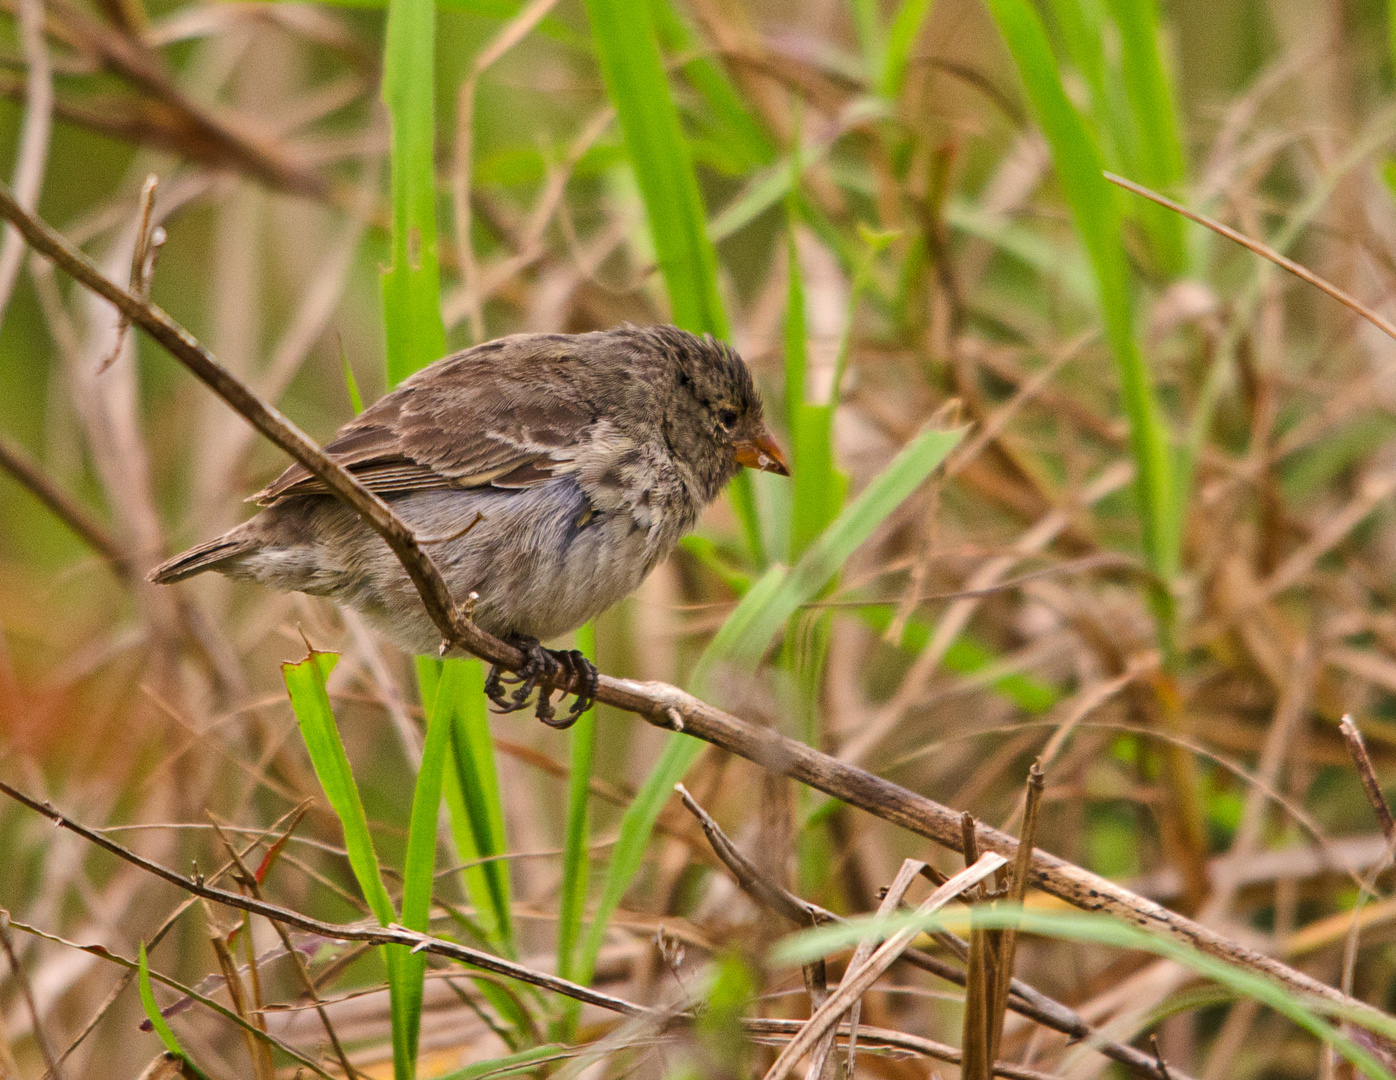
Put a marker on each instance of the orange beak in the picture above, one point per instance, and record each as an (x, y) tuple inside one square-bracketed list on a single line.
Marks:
[(761, 453)]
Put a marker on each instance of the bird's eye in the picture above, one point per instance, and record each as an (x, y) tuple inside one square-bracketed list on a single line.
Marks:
[(727, 418)]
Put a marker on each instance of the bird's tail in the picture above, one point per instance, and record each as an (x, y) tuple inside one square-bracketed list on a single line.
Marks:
[(211, 555)]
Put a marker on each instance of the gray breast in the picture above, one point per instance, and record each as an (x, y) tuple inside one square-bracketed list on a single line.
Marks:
[(543, 560)]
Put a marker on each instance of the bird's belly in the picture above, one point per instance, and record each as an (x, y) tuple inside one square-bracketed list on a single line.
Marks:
[(540, 561)]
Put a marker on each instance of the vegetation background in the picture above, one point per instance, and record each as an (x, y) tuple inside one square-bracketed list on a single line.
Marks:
[(1074, 480)]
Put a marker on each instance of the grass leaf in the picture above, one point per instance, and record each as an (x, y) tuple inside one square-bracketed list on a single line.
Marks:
[(157, 1019), (420, 866), (412, 283), (523, 1061), (901, 39), (628, 855), (1089, 927), (1159, 158), (472, 792), (1095, 213), (305, 682), (633, 69), (575, 856), (776, 597)]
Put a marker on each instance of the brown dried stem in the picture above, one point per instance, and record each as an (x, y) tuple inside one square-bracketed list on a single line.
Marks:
[(27, 992), (1024, 999), (248, 880), (1368, 773), (377, 935), (17, 462), (857, 980), (1263, 250)]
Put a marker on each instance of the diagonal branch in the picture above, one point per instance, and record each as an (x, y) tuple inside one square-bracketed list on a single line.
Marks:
[(857, 980), (659, 703), (376, 935)]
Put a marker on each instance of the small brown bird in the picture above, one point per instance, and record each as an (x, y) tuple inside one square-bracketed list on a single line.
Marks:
[(548, 473)]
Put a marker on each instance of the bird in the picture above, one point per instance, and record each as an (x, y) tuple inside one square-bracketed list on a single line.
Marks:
[(546, 474)]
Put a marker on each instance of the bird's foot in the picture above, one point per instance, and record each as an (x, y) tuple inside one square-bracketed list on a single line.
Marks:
[(545, 670)]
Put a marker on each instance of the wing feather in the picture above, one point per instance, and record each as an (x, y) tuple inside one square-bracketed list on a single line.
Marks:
[(509, 413)]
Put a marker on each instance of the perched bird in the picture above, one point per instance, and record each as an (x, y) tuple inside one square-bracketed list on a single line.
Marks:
[(546, 473)]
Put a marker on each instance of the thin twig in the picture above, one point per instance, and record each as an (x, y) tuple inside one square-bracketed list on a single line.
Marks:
[(15, 461), (1368, 774), (1158, 1056), (143, 254), (910, 871), (1263, 250), (378, 935), (32, 156), (884, 1038), (155, 938), (1017, 892), (249, 881), (187, 991), (27, 992)]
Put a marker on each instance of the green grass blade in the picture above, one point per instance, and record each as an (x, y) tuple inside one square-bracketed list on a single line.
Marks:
[(305, 682), (511, 1064), (628, 855), (817, 490), (1096, 215), (1097, 929), (575, 856), (157, 1020), (764, 609), (472, 790), (965, 657), (1159, 156), (1082, 27), (633, 70), (867, 23), (901, 39), (733, 122), (412, 283), (737, 627), (796, 336), (351, 384), (419, 870)]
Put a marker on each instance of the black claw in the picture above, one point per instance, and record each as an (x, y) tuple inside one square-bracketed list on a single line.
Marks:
[(545, 670), (586, 680), (493, 688)]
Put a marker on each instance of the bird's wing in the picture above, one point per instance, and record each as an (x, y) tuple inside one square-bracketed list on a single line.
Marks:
[(480, 418)]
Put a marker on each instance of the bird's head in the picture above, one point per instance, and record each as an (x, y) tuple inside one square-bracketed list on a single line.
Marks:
[(715, 388)]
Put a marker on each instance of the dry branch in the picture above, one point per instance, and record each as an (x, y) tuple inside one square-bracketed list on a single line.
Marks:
[(870, 967), (376, 935), (1023, 999), (1365, 769)]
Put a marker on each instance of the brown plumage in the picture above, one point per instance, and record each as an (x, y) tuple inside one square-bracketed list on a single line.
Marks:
[(580, 459)]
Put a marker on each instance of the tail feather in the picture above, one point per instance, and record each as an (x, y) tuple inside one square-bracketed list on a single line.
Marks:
[(206, 556)]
